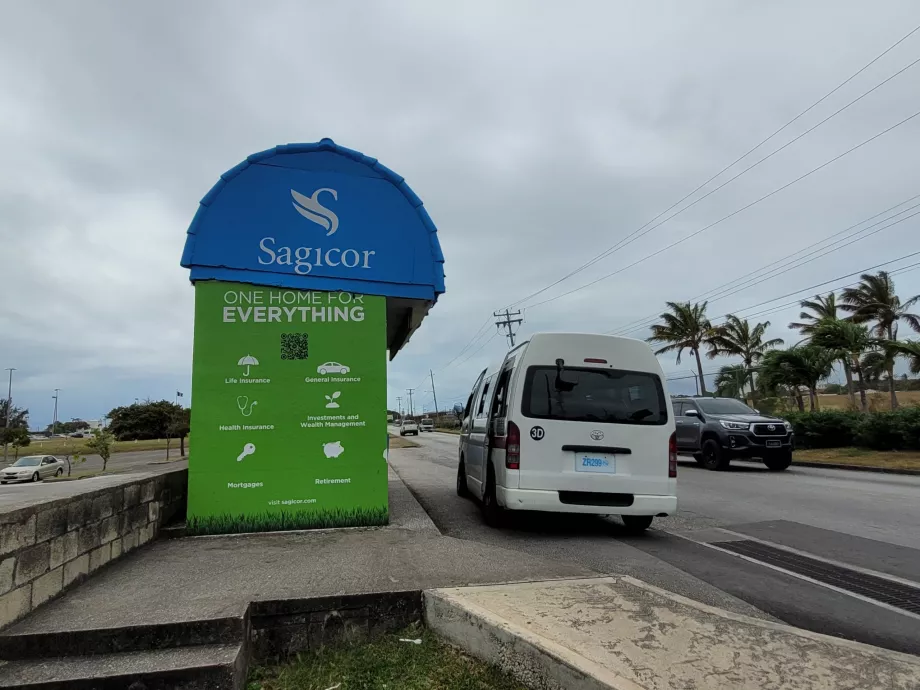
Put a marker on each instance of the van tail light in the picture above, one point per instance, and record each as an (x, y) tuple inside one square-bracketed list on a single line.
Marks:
[(513, 447), (672, 456)]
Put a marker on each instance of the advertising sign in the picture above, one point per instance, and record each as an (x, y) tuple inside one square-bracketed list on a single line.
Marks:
[(289, 401)]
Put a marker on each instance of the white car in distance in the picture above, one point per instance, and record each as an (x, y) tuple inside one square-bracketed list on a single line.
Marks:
[(31, 468), (408, 426), (332, 368)]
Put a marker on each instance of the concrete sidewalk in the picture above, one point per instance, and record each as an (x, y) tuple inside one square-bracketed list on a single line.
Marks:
[(201, 578), (624, 634)]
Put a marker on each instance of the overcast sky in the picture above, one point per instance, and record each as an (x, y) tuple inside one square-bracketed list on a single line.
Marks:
[(538, 134)]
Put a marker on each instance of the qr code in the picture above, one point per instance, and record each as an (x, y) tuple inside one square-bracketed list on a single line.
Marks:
[(295, 346)]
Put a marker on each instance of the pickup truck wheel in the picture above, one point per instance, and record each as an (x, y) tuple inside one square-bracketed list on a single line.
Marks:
[(637, 523), (779, 461), (492, 513), (463, 490), (714, 458)]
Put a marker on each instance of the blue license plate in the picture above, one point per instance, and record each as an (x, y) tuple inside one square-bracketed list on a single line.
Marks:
[(595, 462)]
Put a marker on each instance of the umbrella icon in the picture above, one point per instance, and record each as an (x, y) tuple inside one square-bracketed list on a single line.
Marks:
[(248, 361)]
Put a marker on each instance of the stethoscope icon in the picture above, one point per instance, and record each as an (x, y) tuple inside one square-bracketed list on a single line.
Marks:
[(243, 403)]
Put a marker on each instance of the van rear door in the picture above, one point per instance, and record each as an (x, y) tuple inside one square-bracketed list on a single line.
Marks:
[(590, 426)]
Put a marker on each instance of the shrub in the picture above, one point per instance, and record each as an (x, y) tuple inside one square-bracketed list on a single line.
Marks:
[(897, 430), (824, 429), (878, 430)]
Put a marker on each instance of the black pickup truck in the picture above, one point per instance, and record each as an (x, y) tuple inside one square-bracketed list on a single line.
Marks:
[(717, 430)]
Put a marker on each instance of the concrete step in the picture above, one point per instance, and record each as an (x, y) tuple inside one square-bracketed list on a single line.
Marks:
[(202, 667), (617, 633), (28, 641)]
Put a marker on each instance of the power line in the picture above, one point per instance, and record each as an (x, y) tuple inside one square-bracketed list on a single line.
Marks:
[(821, 284), (766, 272), (605, 253), (812, 287), (476, 351), (773, 310), (481, 331), (632, 239), (733, 213)]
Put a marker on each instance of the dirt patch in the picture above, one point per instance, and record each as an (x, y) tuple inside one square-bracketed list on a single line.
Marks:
[(401, 442), (899, 460)]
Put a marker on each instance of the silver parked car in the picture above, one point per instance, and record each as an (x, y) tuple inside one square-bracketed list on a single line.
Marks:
[(31, 468)]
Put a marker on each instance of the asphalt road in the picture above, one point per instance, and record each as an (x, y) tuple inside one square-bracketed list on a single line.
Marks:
[(856, 519)]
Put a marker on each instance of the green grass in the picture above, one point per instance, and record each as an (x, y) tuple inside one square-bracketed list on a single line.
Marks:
[(61, 446), (269, 521), (385, 663)]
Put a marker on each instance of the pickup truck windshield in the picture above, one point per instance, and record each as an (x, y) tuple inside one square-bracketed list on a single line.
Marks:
[(609, 396), (723, 406)]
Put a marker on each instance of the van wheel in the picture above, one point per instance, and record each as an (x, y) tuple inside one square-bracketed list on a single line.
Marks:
[(778, 462), (714, 458), (637, 523), (462, 489), (492, 513)]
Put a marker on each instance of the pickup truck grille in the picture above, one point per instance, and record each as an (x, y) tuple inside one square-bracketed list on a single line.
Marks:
[(779, 429)]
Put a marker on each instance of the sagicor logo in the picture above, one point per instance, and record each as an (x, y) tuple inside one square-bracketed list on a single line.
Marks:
[(310, 208)]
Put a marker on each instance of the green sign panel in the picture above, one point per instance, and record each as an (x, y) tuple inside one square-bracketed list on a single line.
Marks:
[(288, 409)]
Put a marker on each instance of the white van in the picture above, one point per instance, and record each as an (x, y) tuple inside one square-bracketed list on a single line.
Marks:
[(573, 423)]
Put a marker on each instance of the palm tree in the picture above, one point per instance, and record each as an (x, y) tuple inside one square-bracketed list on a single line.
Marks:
[(845, 338), (824, 308), (684, 327), (874, 299), (911, 350), (737, 338), (730, 381), (803, 365)]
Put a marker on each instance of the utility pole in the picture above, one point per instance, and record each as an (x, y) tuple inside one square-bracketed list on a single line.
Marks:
[(54, 421), (410, 391), (9, 411), (399, 406), (435, 395), (508, 322)]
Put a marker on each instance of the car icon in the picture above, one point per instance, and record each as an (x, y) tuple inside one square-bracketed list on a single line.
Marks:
[(332, 368)]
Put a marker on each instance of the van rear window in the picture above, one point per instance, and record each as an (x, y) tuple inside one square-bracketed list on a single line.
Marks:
[(610, 396)]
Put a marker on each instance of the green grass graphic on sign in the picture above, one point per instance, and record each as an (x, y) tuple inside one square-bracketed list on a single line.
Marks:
[(288, 410)]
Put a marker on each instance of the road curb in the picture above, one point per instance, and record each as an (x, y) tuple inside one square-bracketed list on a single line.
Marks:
[(856, 468), (621, 633), (528, 657)]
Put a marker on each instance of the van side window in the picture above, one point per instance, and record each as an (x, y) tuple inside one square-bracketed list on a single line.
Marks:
[(469, 401), (500, 403), (482, 399)]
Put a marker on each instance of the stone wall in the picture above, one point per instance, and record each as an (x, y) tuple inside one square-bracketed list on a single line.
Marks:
[(48, 547)]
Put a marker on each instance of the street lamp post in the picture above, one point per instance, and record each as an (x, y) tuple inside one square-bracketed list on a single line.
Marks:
[(9, 411), (54, 420), (697, 380)]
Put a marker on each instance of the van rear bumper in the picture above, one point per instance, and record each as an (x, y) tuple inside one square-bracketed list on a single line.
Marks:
[(529, 499)]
